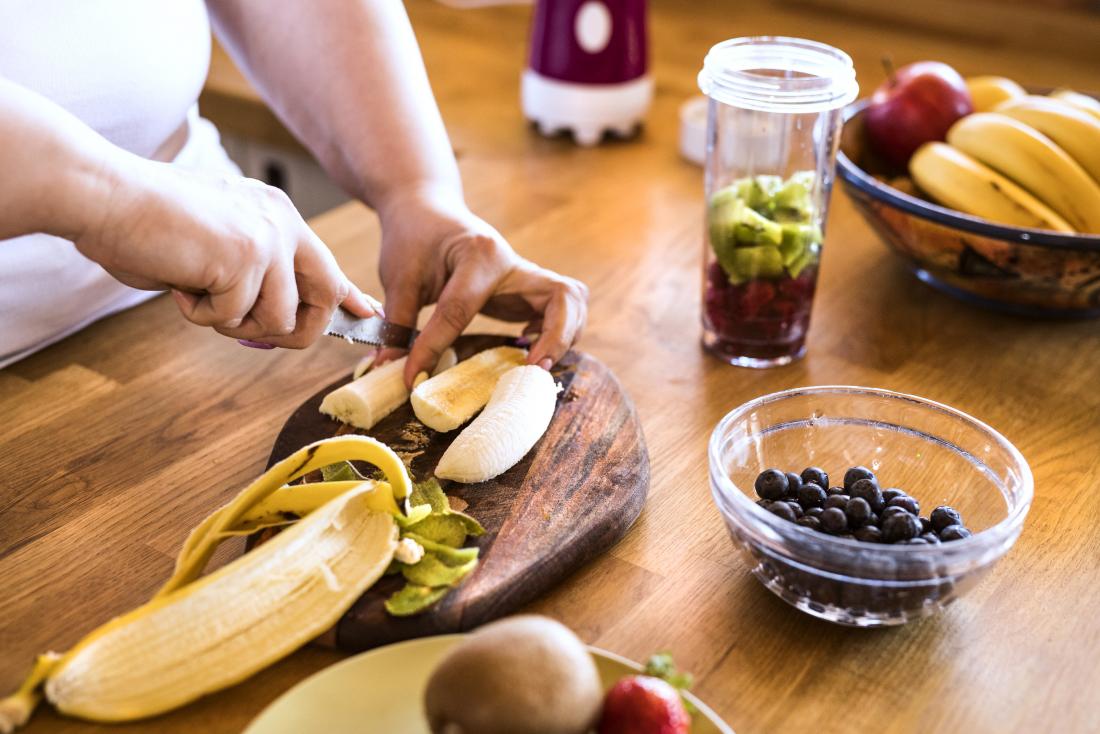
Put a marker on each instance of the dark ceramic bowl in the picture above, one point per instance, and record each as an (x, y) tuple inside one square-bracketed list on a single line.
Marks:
[(1028, 271)]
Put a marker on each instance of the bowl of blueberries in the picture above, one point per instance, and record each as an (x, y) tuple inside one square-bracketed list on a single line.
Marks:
[(866, 507)]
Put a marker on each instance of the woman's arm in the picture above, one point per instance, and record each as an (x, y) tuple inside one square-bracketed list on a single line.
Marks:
[(348, 80), (235, 252)]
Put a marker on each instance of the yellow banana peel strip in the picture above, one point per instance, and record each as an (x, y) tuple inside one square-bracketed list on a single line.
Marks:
[(195, 637), (200, 546)]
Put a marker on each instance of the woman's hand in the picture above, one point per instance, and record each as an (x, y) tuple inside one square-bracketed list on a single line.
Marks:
[(434, 250), (235, 253)]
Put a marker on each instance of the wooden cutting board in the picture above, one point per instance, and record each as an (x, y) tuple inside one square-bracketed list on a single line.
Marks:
[(572, 497)]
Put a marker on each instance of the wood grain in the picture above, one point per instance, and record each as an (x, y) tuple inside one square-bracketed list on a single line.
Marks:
[(160, 421), (570, 499)]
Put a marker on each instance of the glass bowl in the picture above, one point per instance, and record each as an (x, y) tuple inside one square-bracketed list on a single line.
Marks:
[(937, 454)]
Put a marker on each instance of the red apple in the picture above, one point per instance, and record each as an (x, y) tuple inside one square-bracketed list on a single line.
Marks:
[(915, 105)]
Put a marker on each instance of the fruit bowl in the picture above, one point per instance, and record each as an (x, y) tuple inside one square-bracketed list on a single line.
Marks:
[(938, 454), (1027, 271)]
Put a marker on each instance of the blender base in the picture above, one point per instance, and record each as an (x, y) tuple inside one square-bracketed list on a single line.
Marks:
[(588, 110)]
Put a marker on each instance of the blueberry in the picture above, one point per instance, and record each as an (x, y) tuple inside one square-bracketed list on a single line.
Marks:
[(856, 473), (869, 534), (895, 510), (833, 520), (869, 491), (764, 503), (811, 495), (771, 484), (794, 483), (900, 526), (943, 516), (810, 522), (926, 526), (837, 500), (858, 512), (889, 494), (814, 511), (930, 538), (906, 503), (795, 508), (816, 475), (835, 490), (954, 532), (915, 541), (783, 510)]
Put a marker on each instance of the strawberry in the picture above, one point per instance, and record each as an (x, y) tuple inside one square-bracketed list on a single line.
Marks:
[(641, 704)]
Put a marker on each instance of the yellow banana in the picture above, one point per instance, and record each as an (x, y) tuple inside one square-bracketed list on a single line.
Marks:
[(956, 180), (219, 630), (989, 91), (1072, 129), (1032, 160), (1084, 102)]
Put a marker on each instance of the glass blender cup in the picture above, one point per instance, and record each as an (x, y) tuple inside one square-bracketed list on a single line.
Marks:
[(773, 127)]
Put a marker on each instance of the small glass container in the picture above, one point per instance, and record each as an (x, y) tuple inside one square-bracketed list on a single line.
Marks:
[(773, 127), (939, 455)]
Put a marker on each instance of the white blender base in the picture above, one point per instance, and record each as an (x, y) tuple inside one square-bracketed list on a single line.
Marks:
[(587, 109)]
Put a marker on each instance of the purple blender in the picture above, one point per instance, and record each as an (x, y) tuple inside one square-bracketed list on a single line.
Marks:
[(588, 68)]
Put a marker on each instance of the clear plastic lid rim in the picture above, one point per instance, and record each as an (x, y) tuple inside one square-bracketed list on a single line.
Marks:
[(826, 81)]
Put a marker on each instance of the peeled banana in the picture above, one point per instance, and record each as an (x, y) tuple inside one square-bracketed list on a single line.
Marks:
[(986, 92), (448, 400), (1072, 129), (1033, 161), (369, 399), (1084, 102), (518, 413), (956, 180), (198, 636), (374, 394)]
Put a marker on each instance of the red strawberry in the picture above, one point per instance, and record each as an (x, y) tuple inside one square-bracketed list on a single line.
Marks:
[(640, 704)]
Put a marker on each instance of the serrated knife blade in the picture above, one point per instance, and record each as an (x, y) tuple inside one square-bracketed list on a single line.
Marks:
[(375, 331)]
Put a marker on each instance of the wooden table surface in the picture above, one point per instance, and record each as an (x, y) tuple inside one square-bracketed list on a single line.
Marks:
[(117, 440)]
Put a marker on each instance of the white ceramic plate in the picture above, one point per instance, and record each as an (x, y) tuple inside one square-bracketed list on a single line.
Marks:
[(381, 691)]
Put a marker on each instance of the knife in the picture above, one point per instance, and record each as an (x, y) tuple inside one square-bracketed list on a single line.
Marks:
[(375, 330)]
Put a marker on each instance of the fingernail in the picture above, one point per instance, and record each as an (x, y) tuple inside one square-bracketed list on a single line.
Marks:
[(376, 305), (254, 345), (546, 363)]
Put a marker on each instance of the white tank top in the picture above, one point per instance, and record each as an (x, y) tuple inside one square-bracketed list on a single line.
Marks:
[(130, 69)]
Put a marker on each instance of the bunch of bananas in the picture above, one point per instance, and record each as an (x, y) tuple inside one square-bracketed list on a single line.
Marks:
[(1022, 160), (198, 635)]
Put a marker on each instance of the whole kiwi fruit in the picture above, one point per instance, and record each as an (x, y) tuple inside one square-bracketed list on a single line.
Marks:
[(520, 675)]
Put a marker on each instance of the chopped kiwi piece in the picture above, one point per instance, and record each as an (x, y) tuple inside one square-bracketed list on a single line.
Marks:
[(431, 571), (735, 223), (747, 263), (808, 257), (414, 514), (757, 191), (794, 199), (797, 239)]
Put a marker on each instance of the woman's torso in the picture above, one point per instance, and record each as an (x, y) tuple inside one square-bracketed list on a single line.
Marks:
[(132, 70)]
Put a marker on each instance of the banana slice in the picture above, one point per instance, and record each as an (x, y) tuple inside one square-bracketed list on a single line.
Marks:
[(364, 402), (377, 393), (451, 398), (517, 415)]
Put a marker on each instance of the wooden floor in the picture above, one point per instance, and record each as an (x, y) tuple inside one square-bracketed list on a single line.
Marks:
[(119, 439)]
